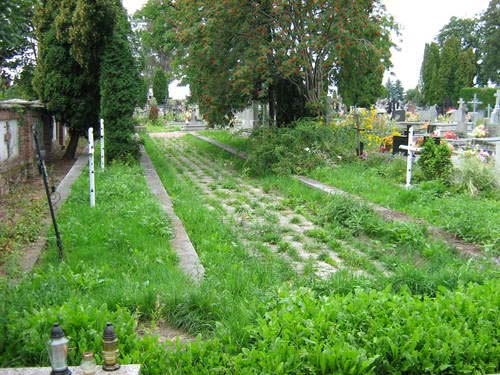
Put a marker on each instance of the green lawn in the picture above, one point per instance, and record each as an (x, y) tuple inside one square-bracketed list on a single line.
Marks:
[(255, 313)]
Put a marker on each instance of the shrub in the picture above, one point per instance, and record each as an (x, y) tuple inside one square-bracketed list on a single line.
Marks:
[(435, 161), (474, 176), (298, 149)]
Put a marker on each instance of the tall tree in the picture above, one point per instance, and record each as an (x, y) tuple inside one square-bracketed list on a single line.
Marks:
[(17, 39), (71, 35), (429, 73), (448, 86), (236, 51), (119, 88), (490, 43)]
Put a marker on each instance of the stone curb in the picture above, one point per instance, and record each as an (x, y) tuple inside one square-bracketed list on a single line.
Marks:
[(188, 258), (33, 251), (387, 214)]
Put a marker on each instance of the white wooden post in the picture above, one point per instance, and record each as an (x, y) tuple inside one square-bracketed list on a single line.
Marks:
[(91, 168), (497, 158), (102, 144), (409, 158)]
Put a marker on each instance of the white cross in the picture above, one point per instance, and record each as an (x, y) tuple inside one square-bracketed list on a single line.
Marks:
[(412, 150), (461, 103)]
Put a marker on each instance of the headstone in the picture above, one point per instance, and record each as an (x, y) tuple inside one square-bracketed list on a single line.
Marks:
[(433, 113), (460, 117), (399, 115), (495, 115), (424, 115)]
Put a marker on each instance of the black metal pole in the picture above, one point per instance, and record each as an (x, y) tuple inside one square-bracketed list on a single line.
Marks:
[(43, 171)]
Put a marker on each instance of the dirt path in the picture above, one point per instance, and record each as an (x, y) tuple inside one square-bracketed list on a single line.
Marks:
[(264, 220)]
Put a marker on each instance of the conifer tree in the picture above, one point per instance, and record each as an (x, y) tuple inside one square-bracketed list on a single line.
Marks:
[(120, 85)]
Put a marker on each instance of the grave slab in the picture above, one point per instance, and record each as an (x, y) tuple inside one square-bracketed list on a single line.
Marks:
[(76, 370)]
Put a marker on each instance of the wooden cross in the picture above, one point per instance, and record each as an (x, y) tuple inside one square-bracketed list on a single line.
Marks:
[(412, 150)]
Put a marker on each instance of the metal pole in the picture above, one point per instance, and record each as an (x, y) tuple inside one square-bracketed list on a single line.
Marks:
[(91, 168), (102, 144), (43, 170)]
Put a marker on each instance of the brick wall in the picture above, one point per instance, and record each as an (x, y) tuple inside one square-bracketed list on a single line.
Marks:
[(22, 167)]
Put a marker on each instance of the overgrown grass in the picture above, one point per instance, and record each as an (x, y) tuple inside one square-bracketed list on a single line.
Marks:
[(235, 139), (474, 219), (411, 257), (117, 259)]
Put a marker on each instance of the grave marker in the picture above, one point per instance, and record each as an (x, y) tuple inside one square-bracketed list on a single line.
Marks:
[(475, 103), (412, 150)]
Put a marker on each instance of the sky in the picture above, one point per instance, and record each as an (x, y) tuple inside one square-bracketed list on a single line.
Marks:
[(419, 20)]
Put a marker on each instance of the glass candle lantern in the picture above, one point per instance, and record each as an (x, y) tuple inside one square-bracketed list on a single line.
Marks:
[(110, 349), (57, 347), (88, 364)]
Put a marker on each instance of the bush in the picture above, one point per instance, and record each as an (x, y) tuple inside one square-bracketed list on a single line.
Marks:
[(474, 176), (435, 161), (298, 149)]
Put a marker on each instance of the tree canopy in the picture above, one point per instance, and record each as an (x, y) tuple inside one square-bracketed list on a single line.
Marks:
[(233, 52)]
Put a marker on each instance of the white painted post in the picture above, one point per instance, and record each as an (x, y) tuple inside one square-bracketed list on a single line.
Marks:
[(497, 158), (102, 144), (409, 158), (91, 168)]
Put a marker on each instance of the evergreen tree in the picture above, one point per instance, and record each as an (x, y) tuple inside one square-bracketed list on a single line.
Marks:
[(398, 90), (120, 87), (466, 70), (490, 43), (429, 73), (447, 75), (70, 37), (160, 85)]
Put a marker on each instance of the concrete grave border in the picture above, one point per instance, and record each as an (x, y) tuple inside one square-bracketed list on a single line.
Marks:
[(188, 258)]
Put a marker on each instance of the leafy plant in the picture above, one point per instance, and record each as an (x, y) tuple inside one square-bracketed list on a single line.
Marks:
[(474, 176), (435, 161)]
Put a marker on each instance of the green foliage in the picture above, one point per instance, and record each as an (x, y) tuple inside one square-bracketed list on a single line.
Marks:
[(298, 149), (435, 161), (376, 332), (119, 88), (16, 37), (231, 53), (486, 95), (474, 176), (71, 36), (429, 73), (160, 85), (490, 47)]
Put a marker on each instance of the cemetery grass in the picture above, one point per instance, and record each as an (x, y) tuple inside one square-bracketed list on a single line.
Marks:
[(474, 219), (310, 325), (395, 254)]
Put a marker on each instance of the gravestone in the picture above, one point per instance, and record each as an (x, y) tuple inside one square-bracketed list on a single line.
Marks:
[(399, 115), (433, 113), (460, 118)]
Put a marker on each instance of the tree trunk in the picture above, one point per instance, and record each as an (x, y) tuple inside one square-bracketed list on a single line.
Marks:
[(272, 105), (74, 136)]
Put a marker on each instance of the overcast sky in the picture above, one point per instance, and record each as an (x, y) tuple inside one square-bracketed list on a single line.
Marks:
[(420, 21)]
